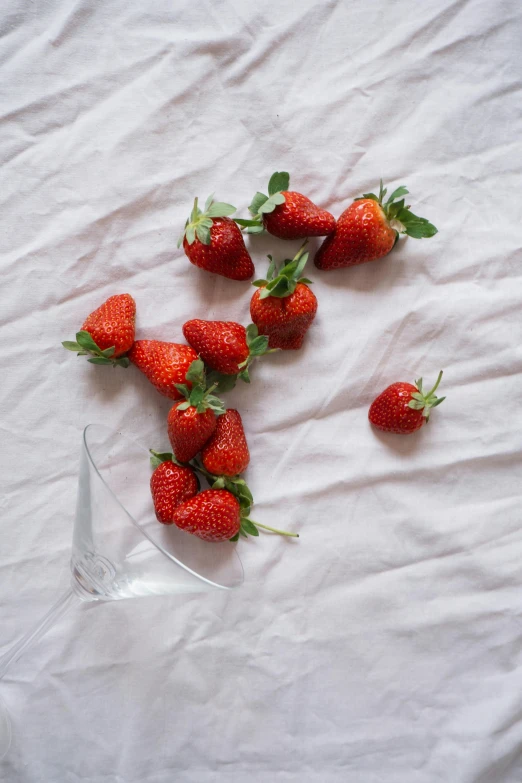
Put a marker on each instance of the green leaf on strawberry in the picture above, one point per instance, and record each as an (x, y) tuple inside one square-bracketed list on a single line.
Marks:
[(222, 383), (425, 401), (279, 181), (283, 282), (157, 457), (263, 204), (400, 216), (200, 223), (86, 346), (200, 394), (257, 202)]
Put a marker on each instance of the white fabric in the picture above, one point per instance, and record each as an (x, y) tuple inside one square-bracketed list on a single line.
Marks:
[(386, 644)]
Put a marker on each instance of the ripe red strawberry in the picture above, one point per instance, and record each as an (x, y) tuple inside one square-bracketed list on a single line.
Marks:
[(164, 364), (226, 453), (213, 515), (287, 214), (191, 423), (403, 408), (369, 228), (171, 485), (225, 346), (107, 333), (220, 513), (189, 430), (213, 242), (284, 307)]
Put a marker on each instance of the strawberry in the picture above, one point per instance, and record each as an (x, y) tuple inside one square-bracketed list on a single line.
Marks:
[(213, 515), (107, 333), (403, 408), (287, 214), (213, 242), (283, 307), (369, 228), (164, 364), (216, 515), (191, 423), (225, 346), (171, 485), (226, 453)]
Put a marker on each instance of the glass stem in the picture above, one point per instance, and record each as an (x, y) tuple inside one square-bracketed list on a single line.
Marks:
[(62, 605)]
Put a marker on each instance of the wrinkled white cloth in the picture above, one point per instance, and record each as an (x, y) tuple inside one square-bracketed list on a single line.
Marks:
[(385, 644)]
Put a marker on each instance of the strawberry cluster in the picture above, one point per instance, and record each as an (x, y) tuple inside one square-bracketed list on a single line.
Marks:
[(206, 439)]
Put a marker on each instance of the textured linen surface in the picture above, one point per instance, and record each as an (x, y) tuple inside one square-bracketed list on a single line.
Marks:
[(386, 644)]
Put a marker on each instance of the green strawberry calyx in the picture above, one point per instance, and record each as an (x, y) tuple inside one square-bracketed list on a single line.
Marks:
[(199, 395), (236, 485), (200, 222), (85, 346), (263, 204), (424, 402), (283, 282), (399, 216), (257, 346)]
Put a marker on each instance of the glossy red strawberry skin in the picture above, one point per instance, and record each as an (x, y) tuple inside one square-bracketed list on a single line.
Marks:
[(226, 255), (362, 234), (171, 485), (112, 324), (189, 430), (213, 515), (164, 364), (284, 320), (221, 344), (390, 412), (226, 453), (298, 218)]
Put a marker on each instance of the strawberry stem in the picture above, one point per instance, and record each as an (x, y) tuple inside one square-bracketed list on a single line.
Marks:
[(200, 469), (429, 394), (276, 530)]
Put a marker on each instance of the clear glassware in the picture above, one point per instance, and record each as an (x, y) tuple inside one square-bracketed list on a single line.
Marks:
[(119, 549)]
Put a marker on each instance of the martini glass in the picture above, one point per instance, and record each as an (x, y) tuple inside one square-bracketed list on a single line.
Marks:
[(119, 549)]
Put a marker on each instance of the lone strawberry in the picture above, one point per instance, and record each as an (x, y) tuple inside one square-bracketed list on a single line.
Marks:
[(164, 364), (287, 214), (191, 423), (107, 333), (283, 307), (369, 228), (403, 408), (213, 242), (226, 453), (226, 346), (171, 485)]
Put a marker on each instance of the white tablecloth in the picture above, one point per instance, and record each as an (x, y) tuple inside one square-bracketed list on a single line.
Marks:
[(386, 644)]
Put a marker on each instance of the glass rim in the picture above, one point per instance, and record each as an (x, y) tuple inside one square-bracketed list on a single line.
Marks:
[(164, 551)]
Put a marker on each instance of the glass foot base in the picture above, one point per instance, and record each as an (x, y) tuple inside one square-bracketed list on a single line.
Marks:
[(5, 730)]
